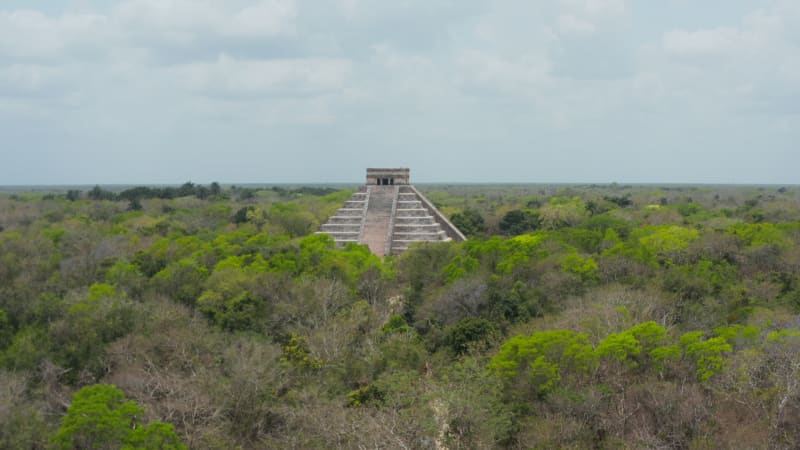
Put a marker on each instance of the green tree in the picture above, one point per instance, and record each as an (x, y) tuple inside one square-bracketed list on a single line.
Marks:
[(544, 358), (296, 354), (26, 350), (89, 324), (469, 221), (639, 344), (98, 193), (214, 189), (758, 234), (706, 354), (664, 242), (182, 280), (186, 189), (622, 347), (237, 299), (519, 221), (100, 417), (6, 332), (135, 205), (293, 220), (562, 212), (603, 223), (583, 266), (470, 331)]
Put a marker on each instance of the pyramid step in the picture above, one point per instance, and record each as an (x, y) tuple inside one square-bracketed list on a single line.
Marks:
[(378, 219), (340, 235), (419, 236), (356, 220), (416, 221), (412, 212), (388, 217), (405, 243), (341, 227), (412, 219), (350, 212), (409, 204), (401, 246), (418, 228)]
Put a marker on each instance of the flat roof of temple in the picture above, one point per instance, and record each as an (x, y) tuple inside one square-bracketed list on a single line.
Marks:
[(401, 170)]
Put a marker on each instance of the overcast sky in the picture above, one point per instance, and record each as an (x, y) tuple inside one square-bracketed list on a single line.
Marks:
[(165, 91)]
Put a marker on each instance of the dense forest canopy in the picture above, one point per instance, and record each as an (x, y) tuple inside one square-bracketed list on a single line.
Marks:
[(213, 317)]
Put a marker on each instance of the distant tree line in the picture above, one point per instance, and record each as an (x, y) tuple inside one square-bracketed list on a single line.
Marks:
[(135, 195), (138, 193), (144, 192), (246, 193)]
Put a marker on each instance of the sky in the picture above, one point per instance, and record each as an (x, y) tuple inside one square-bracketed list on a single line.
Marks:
[(315, 91)]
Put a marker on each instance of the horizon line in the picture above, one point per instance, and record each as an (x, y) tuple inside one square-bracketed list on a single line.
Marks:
[(355, 183)]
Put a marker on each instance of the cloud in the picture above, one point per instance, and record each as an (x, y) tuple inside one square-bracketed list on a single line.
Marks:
[(184, 19), (24, 80), (750, 68), (31, 35), (569, 24), (596, 9), (524, 75), (251, 79), (431, 80), (705, 43)]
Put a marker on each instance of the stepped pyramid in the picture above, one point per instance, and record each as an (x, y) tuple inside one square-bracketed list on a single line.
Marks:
[(388, 214)]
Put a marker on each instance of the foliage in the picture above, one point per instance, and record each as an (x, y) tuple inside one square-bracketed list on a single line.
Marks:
[(519, 221), (138, 193), (182, 280), (89, 323), (665, 241), (563, 212), (758, 234), (6, 333), (101, 417), (467, 333), (592, 316), (545, 357), (470, 222), (395, 324), (706, 354), (584, 267), (296, 354), (622, 347)]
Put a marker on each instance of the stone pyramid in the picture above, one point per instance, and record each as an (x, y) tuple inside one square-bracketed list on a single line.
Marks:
[(388, 214)]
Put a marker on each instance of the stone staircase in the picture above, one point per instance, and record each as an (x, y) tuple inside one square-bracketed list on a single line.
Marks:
[(379, 218), (346, 224), (388, 219), (414, 222)]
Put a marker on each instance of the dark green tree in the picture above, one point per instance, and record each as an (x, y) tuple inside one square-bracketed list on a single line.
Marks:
[(187, 188), (73, 194), (215, 189), (135, 205), (469, 221), (469, 332), (98, 193), (519, 221)]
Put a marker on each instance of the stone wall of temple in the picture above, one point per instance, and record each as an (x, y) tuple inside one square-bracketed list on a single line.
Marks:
[(388, 176)]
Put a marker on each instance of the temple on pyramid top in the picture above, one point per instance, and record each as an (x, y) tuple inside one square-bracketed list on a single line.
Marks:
[(388, 214), (388, 177)]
